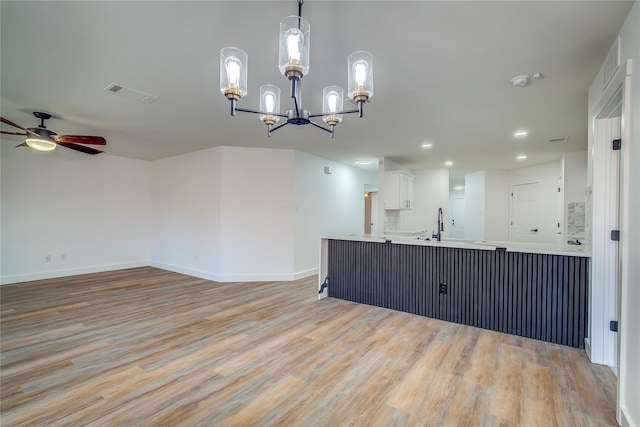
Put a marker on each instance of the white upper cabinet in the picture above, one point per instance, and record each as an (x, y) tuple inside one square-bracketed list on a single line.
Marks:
[(397, 191)]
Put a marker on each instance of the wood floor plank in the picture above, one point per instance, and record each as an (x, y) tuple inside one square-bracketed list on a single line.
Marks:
[(149, 347)]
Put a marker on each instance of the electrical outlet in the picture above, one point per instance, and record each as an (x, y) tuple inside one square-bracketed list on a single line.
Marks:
[(63, 257), (443, 288), (47, 258)]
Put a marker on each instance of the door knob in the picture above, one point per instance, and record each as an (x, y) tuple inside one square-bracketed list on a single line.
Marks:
[(535, 230)]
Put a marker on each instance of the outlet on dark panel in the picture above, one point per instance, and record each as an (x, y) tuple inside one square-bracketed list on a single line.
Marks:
[(443, 288)]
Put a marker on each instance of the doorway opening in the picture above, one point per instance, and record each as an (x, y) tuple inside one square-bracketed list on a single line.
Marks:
[(371, 212)]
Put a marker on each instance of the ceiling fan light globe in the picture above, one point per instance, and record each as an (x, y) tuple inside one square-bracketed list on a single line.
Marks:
[(40, 144)]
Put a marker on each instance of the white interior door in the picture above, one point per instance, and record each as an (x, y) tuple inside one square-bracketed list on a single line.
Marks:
[(457, 210), (605, 267), (525, 215)]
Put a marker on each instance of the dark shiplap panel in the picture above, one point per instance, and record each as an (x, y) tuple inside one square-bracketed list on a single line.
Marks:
[(532, 295)]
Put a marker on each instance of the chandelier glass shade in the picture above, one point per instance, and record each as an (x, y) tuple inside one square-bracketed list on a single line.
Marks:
[(293, 62)]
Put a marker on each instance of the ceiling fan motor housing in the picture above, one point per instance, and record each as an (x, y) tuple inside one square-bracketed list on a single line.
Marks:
[(43, 132)]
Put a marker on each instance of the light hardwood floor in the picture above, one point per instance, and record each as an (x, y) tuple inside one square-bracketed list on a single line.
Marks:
[(153, 348)]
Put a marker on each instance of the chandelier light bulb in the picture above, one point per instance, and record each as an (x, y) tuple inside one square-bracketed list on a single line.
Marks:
[(269, 103), (295, 41), (295, 34), (332, 101), (360, 69), (360, 72), (233, 67), (233, 73)]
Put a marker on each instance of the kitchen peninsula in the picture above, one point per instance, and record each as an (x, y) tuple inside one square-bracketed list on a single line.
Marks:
[(531, 290)]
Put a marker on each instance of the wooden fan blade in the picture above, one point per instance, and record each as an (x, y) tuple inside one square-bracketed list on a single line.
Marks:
[(10, 123), (14, 133), (78, 147), (24, 144), (80, 139)]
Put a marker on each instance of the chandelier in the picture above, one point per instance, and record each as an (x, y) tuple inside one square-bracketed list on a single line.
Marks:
[(294, 64)]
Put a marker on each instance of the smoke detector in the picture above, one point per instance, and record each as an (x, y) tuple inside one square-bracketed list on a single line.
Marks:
[(522, 80)]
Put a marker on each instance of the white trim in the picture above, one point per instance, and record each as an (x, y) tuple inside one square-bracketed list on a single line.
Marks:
[(69, 272), (6, 280), (626, 420), (305, 273), (225, 278)]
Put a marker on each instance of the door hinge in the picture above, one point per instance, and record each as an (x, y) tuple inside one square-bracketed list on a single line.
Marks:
[(613, 326), (511, 194), (558, 189), (615, 235), (615, 144)]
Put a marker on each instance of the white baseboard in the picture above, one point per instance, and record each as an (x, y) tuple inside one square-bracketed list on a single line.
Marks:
[(306, 273), (587, 347), (18, 278), (626, 420), (188, 271), (226, 278)]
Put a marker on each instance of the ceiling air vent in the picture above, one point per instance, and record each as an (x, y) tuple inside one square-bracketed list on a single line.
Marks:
[(611, 63), (138, 95), (560, 139)]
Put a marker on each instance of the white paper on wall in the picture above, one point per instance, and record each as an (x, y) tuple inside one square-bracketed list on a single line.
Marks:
[(576, 220)]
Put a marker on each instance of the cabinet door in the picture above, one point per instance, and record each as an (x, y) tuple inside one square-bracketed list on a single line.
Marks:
[(404, 186), (398, 191), (391, 188), (410, 180)]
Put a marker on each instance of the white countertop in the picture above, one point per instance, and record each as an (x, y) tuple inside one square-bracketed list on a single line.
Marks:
[(524, 247)]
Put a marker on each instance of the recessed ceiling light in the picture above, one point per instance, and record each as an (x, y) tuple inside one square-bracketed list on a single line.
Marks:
[(363, 162), (521, 157), (427, 145), (448, 163), (459, 187), (521, 80), (520, 133)]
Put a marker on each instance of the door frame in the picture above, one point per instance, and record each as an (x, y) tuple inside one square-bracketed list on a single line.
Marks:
[(621, 81)]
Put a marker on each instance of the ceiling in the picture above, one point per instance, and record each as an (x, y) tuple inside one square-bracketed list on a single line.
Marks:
[(442, 74)]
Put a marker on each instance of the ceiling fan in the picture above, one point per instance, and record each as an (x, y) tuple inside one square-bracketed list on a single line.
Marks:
[(41, 138)]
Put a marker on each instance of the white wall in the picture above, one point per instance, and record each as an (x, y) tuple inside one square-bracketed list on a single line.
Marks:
[(243, 214), (487, 201), (326, 205), (224, 214), (574, 179), (474, 189), (93, 209), (496, 202), (629, 368), (185, 196), (257, 233), (431, 191), (487, 205)]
